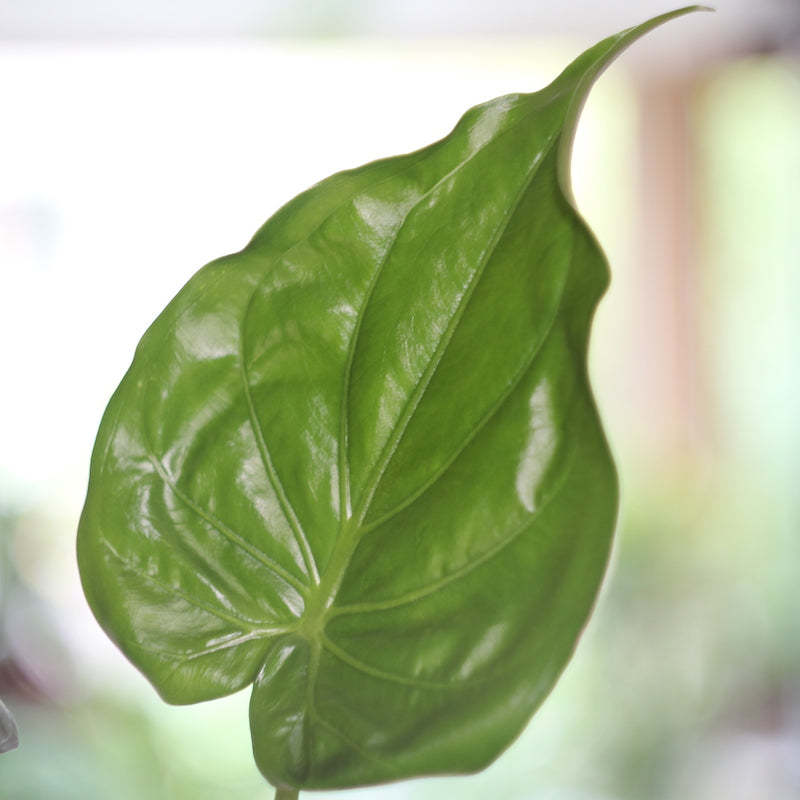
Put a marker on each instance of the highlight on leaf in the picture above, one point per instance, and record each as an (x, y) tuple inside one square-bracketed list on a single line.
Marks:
[(358, 465)]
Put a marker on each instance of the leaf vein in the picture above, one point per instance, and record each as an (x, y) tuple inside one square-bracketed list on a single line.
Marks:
[(218, 525), (185, 657), (490, 413), (390, 677), (239, 622), (422, 384), (344, 428), (272, 475), (358, 748), (311, 703), (465, 569)]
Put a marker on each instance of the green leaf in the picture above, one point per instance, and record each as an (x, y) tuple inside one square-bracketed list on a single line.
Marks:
[(358, 464), (8, 730)]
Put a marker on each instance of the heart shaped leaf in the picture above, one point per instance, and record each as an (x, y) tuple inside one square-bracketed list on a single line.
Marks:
[(358, 464)]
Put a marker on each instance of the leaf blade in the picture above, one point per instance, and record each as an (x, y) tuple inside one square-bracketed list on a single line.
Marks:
[(358, 464)]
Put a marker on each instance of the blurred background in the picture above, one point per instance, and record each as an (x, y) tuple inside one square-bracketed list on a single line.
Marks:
[(141, 140)]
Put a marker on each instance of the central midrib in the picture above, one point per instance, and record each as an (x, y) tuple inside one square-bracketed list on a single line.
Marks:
[(322, 596), (390, 447)]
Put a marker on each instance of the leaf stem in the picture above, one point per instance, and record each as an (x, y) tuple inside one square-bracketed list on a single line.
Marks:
[(286, 794)]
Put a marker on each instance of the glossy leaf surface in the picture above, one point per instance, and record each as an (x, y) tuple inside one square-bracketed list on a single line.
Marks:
[(358, 465)]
